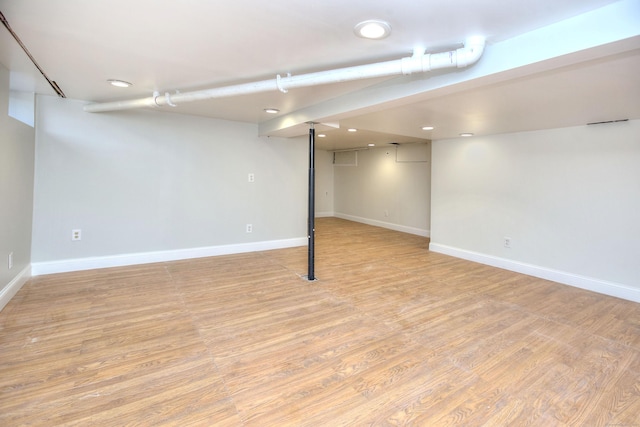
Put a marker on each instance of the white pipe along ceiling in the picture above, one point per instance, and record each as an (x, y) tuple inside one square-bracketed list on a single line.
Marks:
[(418, 63)]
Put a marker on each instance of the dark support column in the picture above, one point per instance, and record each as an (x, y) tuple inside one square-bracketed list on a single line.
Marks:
[(312, 196)]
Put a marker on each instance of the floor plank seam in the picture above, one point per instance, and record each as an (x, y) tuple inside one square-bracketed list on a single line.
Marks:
[(210, 355)]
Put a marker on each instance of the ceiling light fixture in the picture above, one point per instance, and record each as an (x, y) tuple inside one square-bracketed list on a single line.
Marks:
[(119, 83), (466, 134), (371, 145), (427, 128), (321, 135), (372, 29), (352, 130), (271, 110)]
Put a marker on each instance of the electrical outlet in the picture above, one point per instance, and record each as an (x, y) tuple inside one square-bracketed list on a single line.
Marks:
[(507, 242), (76, 234), (10, 262), (249, 228), (251, 177)]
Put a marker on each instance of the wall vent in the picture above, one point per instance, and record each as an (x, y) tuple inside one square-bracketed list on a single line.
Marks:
[(345, 158)]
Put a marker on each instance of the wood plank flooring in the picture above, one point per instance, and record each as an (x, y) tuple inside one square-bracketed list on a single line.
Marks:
[(389, 335)]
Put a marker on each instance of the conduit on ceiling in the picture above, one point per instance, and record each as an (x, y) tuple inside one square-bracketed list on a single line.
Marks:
[(52, 83), (419, 62)]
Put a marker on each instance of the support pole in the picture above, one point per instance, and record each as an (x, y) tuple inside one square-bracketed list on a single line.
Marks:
[(312, 192)]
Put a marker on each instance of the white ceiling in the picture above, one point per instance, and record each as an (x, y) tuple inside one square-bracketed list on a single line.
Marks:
[(167, 46)]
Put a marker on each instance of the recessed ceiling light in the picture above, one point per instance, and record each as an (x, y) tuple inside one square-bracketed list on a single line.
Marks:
[(371, 145), (321, 135), (119, 83), (271, 110), (372, 29), (466, 134), (352, 130), (427, 127)]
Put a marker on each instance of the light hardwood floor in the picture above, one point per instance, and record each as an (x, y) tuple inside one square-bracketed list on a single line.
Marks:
[(390, 334)]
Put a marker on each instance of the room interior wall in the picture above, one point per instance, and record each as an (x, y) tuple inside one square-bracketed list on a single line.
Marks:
[(17, 142), (324, 183), (383, 191), (567, 200), (148, 182)]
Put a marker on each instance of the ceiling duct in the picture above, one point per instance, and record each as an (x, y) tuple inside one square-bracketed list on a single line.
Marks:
[(420, 62)]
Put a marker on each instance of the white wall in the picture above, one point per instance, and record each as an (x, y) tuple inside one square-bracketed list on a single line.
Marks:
[(569, 199), (324, 183), (384, 192), (138, 182), (16, 196), (22, 107)]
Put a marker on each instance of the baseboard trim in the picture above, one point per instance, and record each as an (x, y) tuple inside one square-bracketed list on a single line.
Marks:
[(600, 286), (388, 225), (14, 286), (324, 214), (80, 264)]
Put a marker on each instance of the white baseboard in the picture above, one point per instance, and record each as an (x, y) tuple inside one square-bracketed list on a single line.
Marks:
[(323, 214), (14, 286), (79, 264), (600, 286), (390, 226)]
